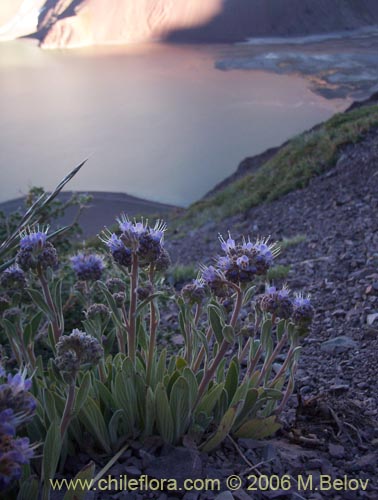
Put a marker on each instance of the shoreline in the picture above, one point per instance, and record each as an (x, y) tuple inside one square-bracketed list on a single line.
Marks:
[(102, 210)]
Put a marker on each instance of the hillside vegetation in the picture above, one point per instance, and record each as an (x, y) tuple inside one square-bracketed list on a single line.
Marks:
[(292, 167)]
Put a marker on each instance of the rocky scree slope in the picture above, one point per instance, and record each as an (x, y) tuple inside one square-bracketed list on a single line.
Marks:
[(337, 263)]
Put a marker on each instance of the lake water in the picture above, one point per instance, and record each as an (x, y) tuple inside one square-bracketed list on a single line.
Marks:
[(159, 122)]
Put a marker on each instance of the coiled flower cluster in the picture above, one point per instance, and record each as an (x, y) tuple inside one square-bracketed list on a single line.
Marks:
[(140, 239), (240, 264), (35, 251), (87, 267), (243, 261), (278, 303), (76, 351), (97, 311), (17, 406), (13, 279), (303, 312), (194, 292)]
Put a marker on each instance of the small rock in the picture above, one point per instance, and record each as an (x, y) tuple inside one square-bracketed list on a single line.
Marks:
[(182, 463), (338, 345), (132, 471), (372, 318), (225, 495), (336, 450)]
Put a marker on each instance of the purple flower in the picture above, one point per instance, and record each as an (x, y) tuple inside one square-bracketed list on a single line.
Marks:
[(300, 301), (35, 251), (194, 292), (276, 302), (14, 452), (120, 253), (227, 245), (13, 279), (87, 266), (303, 313), (19, 382), (157, 232), (224, 263), (34, 239), (243, 262), (8, 422), (215, 279), (137, 238)]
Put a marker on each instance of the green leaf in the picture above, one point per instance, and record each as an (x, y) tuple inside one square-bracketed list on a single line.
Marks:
[(192, 383), (91, 417), (216, 321), (281, 325), (28, 489), (180, 404), (49, 406), (83, 477), (250, 401), (82, 393), (113, 426), (57, 297), (220, 371), (175, 375), (248, 295), (266, 332), (164, 418), (146, 301), (228, 333), (209, 400), (112, 304), (40, 302), (150, 413), (224, 428), (51, 454), (258, 428), (31, 328), (125, 398), (180, 363), (160, 368), (232, 379)]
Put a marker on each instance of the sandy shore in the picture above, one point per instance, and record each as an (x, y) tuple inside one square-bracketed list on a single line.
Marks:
[(102, 210)]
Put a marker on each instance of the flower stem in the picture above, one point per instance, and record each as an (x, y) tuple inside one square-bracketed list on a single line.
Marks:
[(268, 362), (67, 414), (49, 301), (209, 373), (153, 328), (133, 307)]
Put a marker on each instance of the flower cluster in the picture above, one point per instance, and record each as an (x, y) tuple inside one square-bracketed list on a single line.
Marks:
[(140, 239), (35, 251), (77, 350), (243, 261), (303, 312), (98, 311), (87, 266), (240, 264), (279, 304), (276, 302), (13, 279), (194, 292), (17, 406)]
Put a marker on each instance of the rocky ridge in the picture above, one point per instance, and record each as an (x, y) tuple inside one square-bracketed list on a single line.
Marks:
[(74, 23)]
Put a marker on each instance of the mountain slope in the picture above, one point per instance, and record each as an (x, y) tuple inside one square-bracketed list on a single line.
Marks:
[(72, 23)]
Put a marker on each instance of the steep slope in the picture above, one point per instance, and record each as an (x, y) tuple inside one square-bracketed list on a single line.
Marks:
[(18, 17), (72, 23), (125, 21)]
